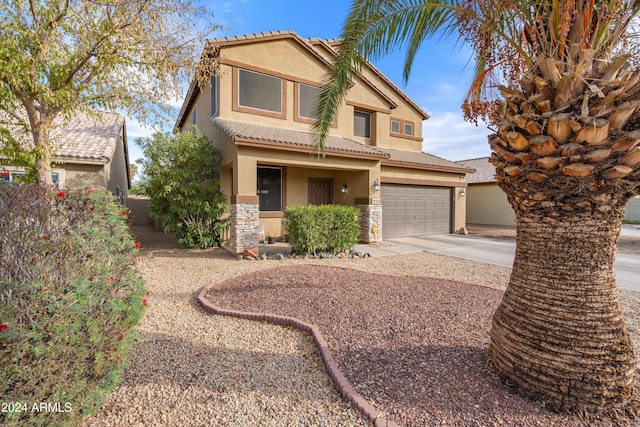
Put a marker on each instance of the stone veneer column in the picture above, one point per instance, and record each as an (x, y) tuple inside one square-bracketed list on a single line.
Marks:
[(245, 216), (370, 216)]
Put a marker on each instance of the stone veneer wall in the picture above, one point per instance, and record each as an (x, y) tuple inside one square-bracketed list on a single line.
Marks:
[(370, 216), (244, 227)]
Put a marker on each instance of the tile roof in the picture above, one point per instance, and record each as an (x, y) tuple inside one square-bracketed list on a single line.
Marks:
[(292, 138), (485, 171), (86, 136), (423, 159)]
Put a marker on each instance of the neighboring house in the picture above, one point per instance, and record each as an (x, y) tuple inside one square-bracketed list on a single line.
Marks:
[(258, 111), (487, 204), (632, 212), (91, 149)]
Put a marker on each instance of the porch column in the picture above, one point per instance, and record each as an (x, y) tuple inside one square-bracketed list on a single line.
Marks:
[(245, 215), (370, 219)]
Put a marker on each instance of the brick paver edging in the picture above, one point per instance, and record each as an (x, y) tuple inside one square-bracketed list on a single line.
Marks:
[(340, 381)]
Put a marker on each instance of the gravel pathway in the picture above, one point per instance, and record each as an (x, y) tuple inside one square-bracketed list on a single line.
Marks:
[(415, 349)]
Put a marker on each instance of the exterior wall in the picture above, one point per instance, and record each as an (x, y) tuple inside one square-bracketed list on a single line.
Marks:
[(632, 212), (370, 219), (488, 205), (116, 172), (79, 175), (244, 224)]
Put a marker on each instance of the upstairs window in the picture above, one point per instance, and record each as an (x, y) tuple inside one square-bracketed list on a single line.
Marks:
[(362, 124), (194, 116), (408, 129), (307, 98), (259, 91), (395, 126)]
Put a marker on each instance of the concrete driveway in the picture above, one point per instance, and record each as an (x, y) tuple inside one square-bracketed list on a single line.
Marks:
[(501, 252)]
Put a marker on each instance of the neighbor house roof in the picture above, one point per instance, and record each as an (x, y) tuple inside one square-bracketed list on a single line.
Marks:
[(421, 160), (485, 171), (90, 137), (310, 45), (244, 133)]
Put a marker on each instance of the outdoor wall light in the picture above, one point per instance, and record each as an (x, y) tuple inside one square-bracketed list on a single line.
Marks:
[(343, 189), (462, 192), (376, 185)]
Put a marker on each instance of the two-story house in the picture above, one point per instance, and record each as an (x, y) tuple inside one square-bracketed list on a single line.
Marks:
[(258, 110)]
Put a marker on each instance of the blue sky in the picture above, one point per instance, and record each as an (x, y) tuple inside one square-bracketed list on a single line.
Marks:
[(438, 83)]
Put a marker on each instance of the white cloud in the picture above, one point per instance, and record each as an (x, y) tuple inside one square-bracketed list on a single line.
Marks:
[(446, 134)]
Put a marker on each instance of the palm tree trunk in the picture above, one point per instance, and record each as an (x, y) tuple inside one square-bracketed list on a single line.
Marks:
[(558, 332)]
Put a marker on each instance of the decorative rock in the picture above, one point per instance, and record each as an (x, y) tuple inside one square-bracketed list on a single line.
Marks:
[(279, 257)]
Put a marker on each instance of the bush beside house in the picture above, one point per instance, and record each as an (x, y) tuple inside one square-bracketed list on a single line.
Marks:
[(182, 178), (70, 298), (325, 228)]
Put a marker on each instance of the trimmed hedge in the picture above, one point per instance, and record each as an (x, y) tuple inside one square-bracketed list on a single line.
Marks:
[(70, 298), (326, 228)]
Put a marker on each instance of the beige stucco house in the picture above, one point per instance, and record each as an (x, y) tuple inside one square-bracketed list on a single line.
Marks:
[(258, 112), (487, 204), (89, 149)]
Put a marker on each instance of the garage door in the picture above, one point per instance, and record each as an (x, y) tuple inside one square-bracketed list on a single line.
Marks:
[(411, 210)]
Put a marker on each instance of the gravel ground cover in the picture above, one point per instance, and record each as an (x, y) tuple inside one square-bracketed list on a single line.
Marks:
[(192, 369), (414, 347)]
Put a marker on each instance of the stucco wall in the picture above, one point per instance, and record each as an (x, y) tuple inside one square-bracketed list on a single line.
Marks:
[(79, 175), (116, 172), (632, 212), (487, 204)]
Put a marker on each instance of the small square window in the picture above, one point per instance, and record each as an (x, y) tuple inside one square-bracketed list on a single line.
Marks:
[(395, 126), (408, 129)]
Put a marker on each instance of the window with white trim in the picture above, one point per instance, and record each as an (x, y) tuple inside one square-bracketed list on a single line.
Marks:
[(259, 91), (408, 129), (362, 124), (395, 126)]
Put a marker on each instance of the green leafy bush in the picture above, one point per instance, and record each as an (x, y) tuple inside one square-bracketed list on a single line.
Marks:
[(182, 179), (70, 297), (325, 228)]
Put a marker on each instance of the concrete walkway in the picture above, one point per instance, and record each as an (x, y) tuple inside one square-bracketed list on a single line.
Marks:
[(499, 252)]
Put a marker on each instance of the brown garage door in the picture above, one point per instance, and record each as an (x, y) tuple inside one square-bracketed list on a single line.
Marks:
[(411, 210)]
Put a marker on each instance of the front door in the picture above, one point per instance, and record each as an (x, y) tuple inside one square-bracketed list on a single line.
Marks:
[(320, 191)]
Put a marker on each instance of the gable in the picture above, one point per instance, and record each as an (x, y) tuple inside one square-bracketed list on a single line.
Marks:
[(301, 60)]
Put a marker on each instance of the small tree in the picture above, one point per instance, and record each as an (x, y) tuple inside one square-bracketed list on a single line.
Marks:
[(182, 173), (60, 56)]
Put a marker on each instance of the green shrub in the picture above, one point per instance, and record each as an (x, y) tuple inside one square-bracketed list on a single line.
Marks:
[(325, 228), (182, 179), (70, 297)]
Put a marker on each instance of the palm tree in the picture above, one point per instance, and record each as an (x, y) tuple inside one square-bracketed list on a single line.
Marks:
[(559, 82)]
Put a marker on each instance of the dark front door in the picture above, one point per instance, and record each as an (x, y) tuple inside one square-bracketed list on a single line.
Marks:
[(320, 191)]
